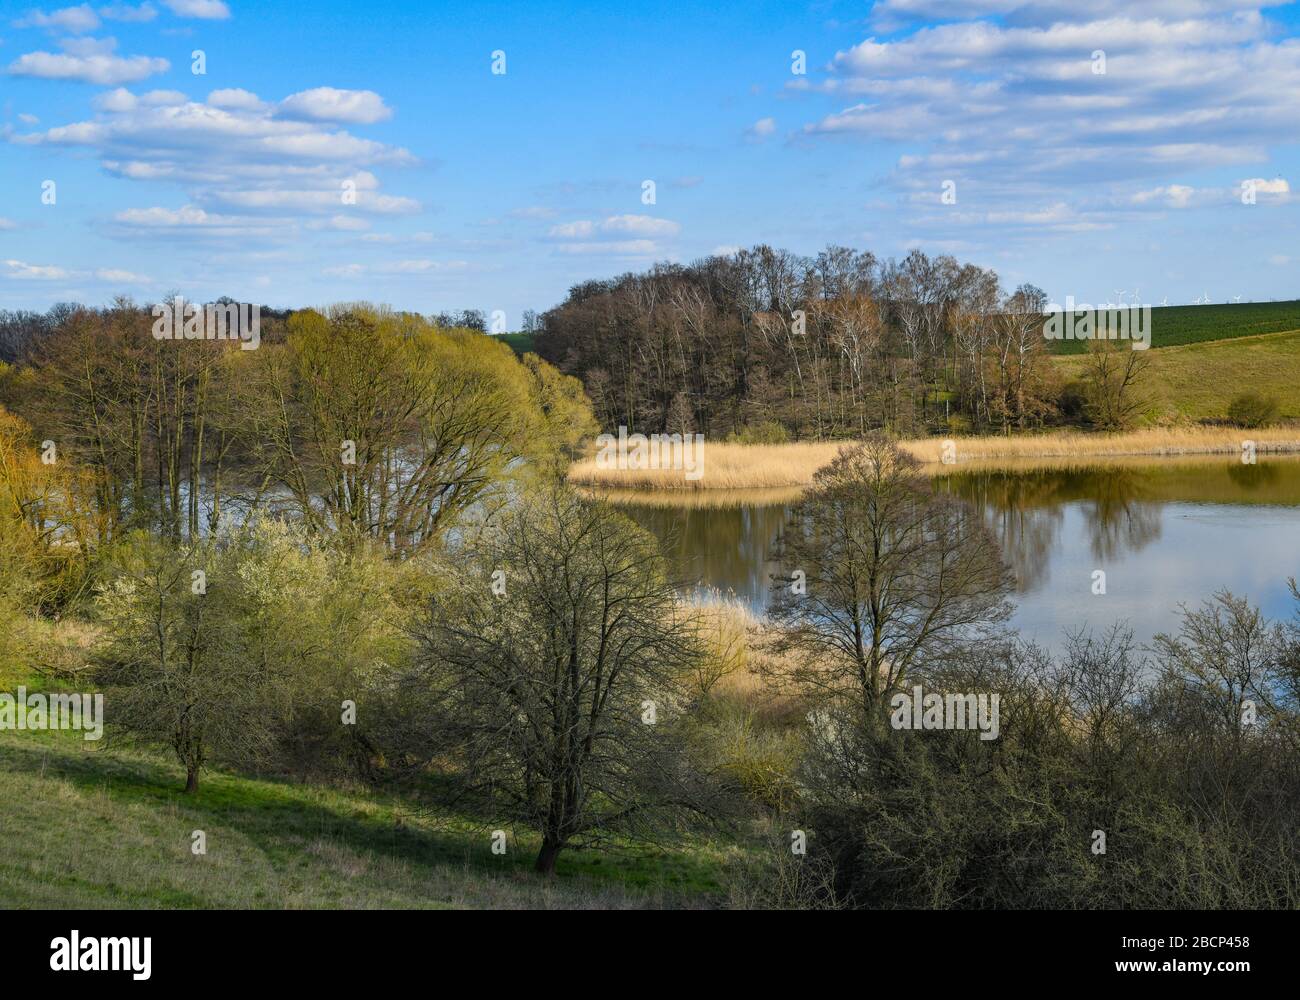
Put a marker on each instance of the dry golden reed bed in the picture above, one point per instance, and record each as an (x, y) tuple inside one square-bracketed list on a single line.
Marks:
[(772, 466)]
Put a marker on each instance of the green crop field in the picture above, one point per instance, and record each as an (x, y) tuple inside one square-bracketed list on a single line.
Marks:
[(1172, 326)]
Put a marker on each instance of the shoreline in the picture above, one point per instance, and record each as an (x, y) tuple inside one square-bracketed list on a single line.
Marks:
[(732, 466)]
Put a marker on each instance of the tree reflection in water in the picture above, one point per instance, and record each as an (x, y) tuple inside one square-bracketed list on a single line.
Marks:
[(726, 545)]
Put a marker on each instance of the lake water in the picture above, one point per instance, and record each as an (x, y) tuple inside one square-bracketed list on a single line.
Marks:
[(1164, 531)]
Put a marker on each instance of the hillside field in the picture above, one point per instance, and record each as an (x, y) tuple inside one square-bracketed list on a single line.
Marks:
[(1197, 381), (1173, 326)]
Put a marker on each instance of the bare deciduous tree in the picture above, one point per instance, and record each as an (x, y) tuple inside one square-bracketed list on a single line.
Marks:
[(894, 576), (559, 687)]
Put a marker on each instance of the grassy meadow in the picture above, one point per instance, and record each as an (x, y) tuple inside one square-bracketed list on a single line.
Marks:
[(106, 825), (111, 828), (1197, 381)]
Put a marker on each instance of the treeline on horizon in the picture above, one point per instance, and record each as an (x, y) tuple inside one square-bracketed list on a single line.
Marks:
[(766, 345)]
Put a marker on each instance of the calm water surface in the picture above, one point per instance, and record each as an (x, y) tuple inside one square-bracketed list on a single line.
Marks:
[(1164, 531)]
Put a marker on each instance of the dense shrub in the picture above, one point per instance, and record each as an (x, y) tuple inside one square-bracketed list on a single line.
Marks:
[(244, 649), (1198, 810), (767, 432), (1250, 409)]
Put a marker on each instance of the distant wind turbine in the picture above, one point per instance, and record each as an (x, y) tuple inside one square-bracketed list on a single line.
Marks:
[(1165, 301), (1236, 298)]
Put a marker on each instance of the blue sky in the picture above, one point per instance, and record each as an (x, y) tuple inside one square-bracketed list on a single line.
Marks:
[(499, 191)]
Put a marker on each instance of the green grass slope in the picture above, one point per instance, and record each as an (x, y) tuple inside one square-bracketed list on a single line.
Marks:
[(99, 829), (1198, 381)]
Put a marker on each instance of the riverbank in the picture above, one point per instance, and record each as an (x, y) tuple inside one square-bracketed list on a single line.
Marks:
[(729, 466)]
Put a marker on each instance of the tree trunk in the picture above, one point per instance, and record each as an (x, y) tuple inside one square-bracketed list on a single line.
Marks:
[(191, 780), (546, 858)]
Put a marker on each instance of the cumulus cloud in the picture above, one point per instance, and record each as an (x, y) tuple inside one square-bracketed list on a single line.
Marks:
[(245, 169), (1277, 190), (191, 222), (163, 134), (236, 98), (88, 46), (616, 235), (359, 188), (1060, 115), (125, 12), (761, 129), (890, 15), (615, 226), (1173, 195), (1278, 185), (205, 9), (327, 104), (104, 70), (22, 271), (76, 20), (121, 100)]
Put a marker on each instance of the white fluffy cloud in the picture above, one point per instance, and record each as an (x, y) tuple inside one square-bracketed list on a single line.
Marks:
[(1173, 195), (1032, 105), (104, 70), (121, 100), (327, 104), (890, 14), (125, 12), (245, 169), (616, 226), (616, 235), (76, 20), (22, 271), (235, 99), (206, 9), (190, 223)]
